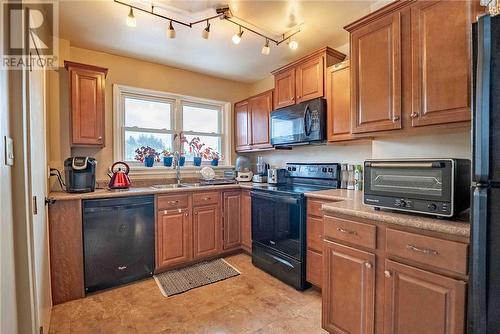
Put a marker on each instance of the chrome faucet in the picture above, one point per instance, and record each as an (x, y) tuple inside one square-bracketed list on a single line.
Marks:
[(177, 156)]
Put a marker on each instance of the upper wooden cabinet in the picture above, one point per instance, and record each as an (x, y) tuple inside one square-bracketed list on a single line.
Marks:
[(87, 95), (303, 79), (376, 75), (338, 95), (441, 52), (252, 122)]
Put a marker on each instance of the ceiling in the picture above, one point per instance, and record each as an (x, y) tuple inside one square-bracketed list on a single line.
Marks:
[(100, 25)]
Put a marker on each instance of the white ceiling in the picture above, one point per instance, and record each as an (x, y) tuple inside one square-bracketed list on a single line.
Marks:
[(100, 25)]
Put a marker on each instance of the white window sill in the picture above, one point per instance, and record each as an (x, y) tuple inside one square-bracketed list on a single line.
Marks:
[(188, 170)]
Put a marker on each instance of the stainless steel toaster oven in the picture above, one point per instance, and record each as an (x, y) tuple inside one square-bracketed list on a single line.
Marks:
[(439, 187)]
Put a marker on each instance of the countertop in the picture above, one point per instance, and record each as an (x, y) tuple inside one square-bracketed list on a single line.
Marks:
[(350, 202)]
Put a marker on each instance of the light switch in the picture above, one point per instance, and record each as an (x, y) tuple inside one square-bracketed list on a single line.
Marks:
[(9, 151)]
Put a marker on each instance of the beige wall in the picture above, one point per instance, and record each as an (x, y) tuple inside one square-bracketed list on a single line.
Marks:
[(131, 72)]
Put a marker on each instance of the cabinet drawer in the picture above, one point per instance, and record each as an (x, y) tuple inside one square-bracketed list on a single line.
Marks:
[(349, 231), (444, 254), (314, 208), (315, 234), (205, 198), (172, 202), (314, 268)]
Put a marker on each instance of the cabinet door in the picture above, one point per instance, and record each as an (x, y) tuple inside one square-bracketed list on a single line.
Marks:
[(314, 268), (376, 75), (242, 126), (232, 215), (246, 220), (309, 79), (206, 231), (87, 91), (418, 301), (260, 110), (348, 290), (441, 61), (284, 89), (173, 238), (338, 95)]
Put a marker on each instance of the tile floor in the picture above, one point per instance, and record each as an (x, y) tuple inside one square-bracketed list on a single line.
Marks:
[(253, 302)]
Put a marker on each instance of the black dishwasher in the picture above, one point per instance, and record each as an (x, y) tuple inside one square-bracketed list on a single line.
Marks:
[(118, 237)]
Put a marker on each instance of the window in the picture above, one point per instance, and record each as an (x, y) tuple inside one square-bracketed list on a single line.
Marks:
[(148, 118)]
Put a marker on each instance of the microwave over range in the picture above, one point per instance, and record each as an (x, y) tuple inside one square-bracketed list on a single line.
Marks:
[(439, 187), (302, 123)]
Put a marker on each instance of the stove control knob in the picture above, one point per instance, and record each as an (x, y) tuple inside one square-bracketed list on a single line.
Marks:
[(294, 168), (324, 169), (330, 170), (403, 203), (289, 169), (432, 207)]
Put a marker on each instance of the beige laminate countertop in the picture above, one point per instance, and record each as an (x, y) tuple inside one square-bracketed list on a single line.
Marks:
[(350, 202)]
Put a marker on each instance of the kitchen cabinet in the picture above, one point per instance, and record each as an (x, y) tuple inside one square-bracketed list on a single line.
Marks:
[(338, 97), (418, 301), (303, 79), (173, 237), (232, 215), (242, 127), (246, 221), (376, 75), (441, 58), (206, 231), (314, 237), (87, 101), (348, 290)]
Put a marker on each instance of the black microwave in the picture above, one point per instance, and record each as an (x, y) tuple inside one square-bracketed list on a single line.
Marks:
[(439, 187), (299, 124)]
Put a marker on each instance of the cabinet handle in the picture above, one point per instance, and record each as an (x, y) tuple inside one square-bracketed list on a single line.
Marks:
[(368, 265), (341, 230), (387, 274), (187, 214), (173, 202), (206, 198), (395, 118), (413, 115), (425, 251)]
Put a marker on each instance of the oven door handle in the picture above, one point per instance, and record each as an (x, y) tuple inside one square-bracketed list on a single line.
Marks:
[(275, 198), (404, 164)]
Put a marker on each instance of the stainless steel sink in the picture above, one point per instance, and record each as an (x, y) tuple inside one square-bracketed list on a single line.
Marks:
[(169, 186)]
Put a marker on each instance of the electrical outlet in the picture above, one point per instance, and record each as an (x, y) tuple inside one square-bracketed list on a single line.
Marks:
[(9, 151)]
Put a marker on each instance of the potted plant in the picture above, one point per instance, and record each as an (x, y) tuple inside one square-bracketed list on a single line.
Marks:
[(211, 154), (216, 156), (167, 158), (147, 155), (195, 147)]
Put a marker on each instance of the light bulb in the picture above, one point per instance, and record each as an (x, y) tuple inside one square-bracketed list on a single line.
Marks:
[(266, 49), (293, 45), (171, 31), (237, 37), (131, 21), (206, 32)]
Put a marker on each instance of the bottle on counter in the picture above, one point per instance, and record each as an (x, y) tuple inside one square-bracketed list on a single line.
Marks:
[(350, 178), (358, 178), (344, 176)]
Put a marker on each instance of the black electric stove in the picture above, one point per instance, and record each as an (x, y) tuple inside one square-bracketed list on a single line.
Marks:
[(279, 220)]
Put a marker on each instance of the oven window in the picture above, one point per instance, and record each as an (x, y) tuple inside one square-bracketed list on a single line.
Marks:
[(422, 182)]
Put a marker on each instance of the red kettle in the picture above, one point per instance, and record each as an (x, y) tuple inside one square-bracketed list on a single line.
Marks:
[(119, 179)]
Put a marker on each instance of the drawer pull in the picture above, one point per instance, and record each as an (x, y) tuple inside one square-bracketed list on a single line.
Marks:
[(387, 274), (368, 265), (207, 198), (425, 251), (173, 202), (341, 230), (169, 212)]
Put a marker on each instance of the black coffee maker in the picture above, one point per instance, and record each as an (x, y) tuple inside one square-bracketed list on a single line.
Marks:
[(79, 173)]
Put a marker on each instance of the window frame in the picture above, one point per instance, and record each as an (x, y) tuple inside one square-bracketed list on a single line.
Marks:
[(121, 92)]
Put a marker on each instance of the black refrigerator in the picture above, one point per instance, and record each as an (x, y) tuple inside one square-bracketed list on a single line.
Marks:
[(484, 289)]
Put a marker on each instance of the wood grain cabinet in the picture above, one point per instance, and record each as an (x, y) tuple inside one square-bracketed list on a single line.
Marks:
[(87, 96), (284, 85), (206, 231), (310, 81), (338, 97), (314, 237), (173, 238), (232, 216), (242, 127), (246, 220)]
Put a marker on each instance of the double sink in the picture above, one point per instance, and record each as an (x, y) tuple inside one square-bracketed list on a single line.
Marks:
[(178, 185)]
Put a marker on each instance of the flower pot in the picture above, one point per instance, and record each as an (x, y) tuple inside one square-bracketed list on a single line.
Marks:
[(167, 161), (197, 161), (215, 162), (149, 161), (182, 161)]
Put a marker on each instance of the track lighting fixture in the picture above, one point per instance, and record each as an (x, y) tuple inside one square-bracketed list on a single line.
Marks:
[(266, 49), (131, 21), (237, 37), (293, 45), (171, 31), (206, 32)]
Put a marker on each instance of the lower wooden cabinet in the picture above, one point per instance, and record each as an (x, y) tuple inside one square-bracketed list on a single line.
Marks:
[(206, 231), (418, 301), (246, 221), (314, 268), (348, 290), (232, 215), (173, 237)]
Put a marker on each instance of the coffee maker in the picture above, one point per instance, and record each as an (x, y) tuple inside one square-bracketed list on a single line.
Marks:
[(79, 173)]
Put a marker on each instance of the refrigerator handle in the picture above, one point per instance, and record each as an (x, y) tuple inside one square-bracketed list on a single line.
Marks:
[(482, 107)]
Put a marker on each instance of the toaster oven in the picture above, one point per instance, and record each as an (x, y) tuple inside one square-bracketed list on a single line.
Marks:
[(439, 187)]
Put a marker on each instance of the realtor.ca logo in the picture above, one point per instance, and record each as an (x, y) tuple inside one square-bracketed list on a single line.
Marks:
[(29, 34)]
